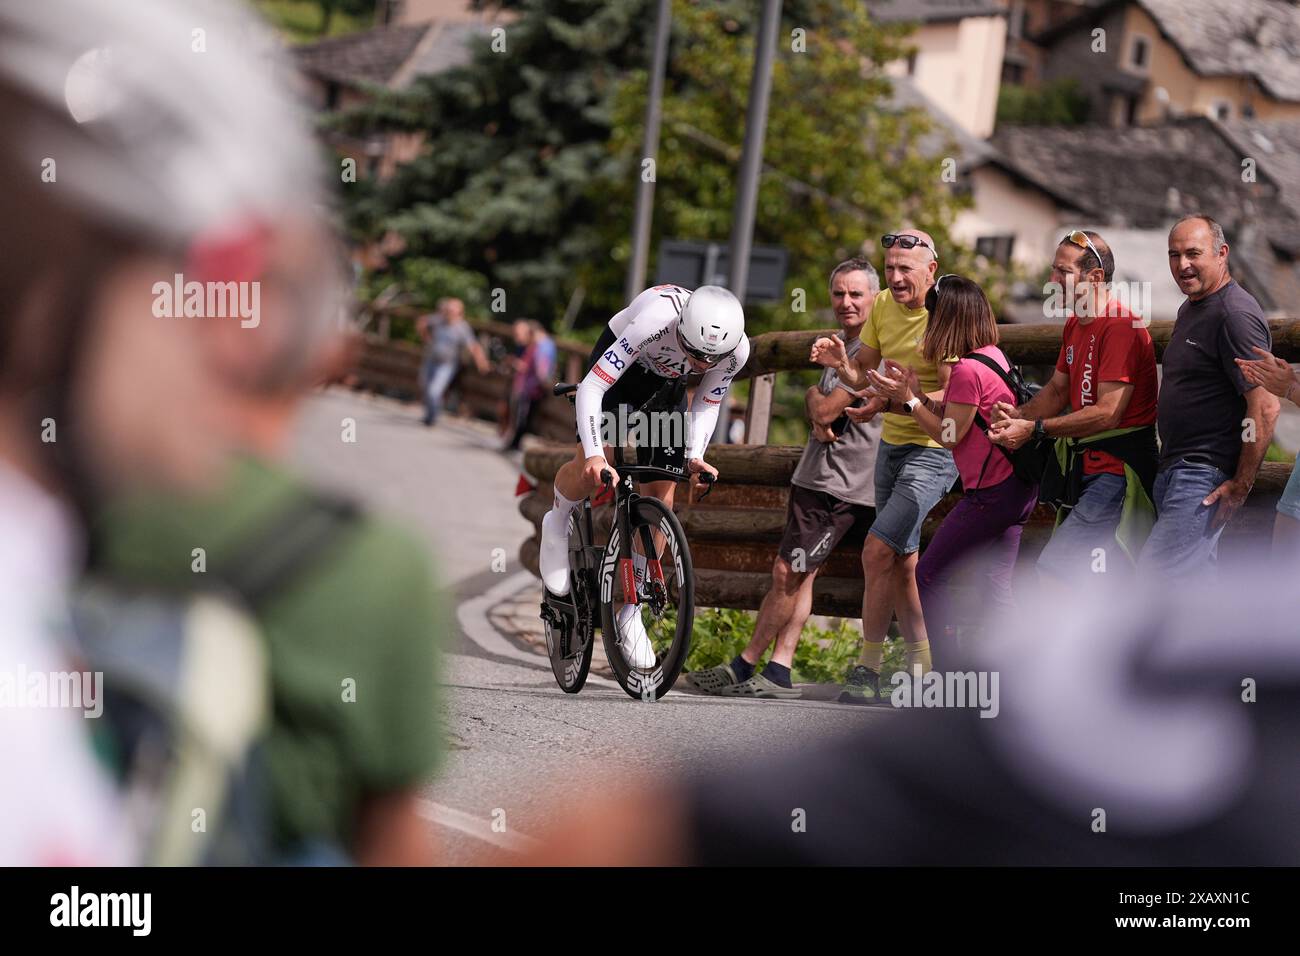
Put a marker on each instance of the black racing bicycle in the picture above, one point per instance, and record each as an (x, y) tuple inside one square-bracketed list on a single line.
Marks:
[(602, 581)]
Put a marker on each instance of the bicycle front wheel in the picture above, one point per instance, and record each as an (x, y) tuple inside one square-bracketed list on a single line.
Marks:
[(660, 600)]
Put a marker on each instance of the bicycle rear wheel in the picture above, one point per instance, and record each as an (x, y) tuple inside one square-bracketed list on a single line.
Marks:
[(665, 598), (570, 637)]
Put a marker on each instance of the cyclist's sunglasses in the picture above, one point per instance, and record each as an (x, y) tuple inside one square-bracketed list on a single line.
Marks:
[(932, 294), (1080, 239), (705, 357), (907, 242)]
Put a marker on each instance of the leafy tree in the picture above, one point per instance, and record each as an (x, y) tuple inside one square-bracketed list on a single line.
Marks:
[(845, 165)]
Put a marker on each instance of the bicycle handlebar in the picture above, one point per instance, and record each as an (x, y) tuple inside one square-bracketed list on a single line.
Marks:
[(561, 389)]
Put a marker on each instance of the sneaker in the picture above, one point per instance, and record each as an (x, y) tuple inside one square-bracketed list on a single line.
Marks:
[(553, 557), (861, 687), (761, 687), (714, 680), (633, 640)]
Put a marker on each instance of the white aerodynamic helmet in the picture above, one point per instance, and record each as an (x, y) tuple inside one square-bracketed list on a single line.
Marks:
[(712, 324)]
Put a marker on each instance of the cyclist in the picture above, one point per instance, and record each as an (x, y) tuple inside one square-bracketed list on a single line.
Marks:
[(666, 334)]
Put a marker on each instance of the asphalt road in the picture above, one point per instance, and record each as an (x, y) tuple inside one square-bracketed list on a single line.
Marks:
[(517, 745)]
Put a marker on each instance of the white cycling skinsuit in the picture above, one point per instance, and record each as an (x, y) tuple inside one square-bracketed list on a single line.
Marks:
[(646, 332)]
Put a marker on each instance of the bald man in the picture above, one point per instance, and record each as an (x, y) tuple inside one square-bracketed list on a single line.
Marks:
[(913, 471)]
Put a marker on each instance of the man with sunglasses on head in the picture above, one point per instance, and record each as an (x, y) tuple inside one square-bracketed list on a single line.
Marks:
[(666, 334), (1106, 374), (912, 472)]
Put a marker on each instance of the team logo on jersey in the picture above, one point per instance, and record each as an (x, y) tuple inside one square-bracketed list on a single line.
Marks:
[(1069, 355), (623, 344), (600, 372)]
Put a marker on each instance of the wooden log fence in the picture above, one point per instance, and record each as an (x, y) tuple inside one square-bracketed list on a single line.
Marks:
[(734, 533)]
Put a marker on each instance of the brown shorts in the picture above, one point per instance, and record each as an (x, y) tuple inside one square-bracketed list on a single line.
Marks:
[(816, 522)]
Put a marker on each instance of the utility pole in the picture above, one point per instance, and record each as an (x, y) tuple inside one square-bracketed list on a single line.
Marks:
[(742, 226), (645, 192)]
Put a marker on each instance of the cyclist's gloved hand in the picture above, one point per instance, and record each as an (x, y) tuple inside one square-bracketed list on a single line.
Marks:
[(698, 466), (592, 469)]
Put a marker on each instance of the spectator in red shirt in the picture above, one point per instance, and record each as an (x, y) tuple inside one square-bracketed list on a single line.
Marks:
[(1106, 373)]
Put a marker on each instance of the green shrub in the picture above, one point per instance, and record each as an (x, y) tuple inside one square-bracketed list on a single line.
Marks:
[(824, 655), (1059, 103)]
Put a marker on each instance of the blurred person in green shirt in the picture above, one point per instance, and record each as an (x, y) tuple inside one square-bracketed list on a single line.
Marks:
[(170, 295)]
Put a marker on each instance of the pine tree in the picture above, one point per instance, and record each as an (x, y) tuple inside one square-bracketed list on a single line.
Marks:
[(516, 138)]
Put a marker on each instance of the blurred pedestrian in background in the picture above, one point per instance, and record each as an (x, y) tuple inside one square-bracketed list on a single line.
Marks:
[(534, 375), (446, 334)]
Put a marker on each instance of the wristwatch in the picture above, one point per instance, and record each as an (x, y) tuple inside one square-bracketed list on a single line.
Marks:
[(911, 404), (1039, 430)]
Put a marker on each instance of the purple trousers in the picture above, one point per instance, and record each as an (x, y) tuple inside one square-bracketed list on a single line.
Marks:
[(983, 533)]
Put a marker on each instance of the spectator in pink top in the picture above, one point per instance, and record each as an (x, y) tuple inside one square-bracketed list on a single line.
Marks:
[(985, 525)]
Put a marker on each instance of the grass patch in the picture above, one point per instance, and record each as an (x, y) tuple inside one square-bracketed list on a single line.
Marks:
[(1275, 453), (824, 655)]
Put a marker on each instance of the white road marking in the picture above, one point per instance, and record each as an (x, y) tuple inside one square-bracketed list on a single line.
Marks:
[(473, 826), (473, 617)]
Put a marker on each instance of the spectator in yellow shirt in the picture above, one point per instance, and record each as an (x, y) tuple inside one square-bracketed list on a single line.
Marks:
[(913, 471)]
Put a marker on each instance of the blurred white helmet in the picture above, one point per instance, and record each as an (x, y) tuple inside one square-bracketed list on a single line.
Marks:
[(712, 324), (162, 117)]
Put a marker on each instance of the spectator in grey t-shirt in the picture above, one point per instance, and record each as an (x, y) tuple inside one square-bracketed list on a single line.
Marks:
[(833, 495), (445, 333), (1215, 426)]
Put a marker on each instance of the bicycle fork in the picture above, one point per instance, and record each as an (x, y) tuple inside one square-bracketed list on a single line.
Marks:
[(654, 574)]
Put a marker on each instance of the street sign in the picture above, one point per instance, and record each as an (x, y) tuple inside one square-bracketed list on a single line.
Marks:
[(693, 264)]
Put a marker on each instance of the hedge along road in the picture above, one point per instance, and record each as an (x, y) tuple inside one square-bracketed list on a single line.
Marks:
[(516, 743)]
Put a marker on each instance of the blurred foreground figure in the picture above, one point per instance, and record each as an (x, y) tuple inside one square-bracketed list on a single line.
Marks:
[(169, 294), (1145, 727)]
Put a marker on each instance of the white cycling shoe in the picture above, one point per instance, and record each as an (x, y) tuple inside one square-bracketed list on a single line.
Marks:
[(633, 640), (553, 558)]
